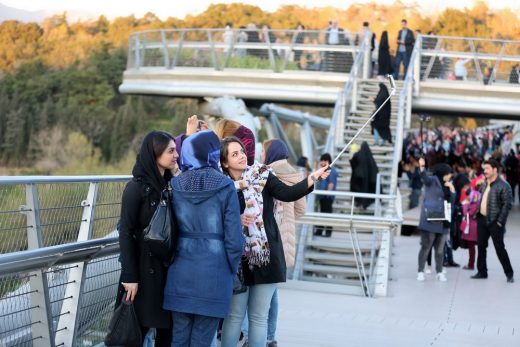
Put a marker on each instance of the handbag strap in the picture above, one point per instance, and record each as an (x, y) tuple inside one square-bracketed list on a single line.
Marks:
[(166, 194)]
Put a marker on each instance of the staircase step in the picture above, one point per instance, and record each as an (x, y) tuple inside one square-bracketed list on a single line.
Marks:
[(333, 280), (324, 258), (332, 270)]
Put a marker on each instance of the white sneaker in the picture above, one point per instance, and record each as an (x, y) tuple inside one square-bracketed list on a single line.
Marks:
[(441, 277), (420, 276), (444, 271), (428, 270)]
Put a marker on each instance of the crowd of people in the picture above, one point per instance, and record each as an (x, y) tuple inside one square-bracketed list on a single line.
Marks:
[(385, 59), (467, 197), (225, 266)]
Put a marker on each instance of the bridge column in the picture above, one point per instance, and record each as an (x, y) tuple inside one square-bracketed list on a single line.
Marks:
[(66, 331), (165, 50), (417, 66), (41, 314), (367, 56)]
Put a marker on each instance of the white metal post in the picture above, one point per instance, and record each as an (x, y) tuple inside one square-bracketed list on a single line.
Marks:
[(41, 314), (66, 330), (417, 66), (137, 52), (165, 50)]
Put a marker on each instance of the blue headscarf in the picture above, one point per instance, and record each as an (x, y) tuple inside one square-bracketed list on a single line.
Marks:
[(200, 150), (276, 151)]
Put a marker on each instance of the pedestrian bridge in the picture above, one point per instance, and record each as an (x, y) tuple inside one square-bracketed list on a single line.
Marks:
[(296, 66), (59, 266)]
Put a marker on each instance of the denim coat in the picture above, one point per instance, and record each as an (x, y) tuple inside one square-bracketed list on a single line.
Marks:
[(433, 198), (209, 248)]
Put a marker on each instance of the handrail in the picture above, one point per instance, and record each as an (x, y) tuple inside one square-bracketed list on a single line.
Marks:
[(353, 194), (470, 38), (10, 180), (158, 42), (69, 253), (337, 122), (403, 111)]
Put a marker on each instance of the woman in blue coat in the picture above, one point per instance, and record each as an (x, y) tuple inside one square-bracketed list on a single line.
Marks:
[(438, 188), (199, 285)]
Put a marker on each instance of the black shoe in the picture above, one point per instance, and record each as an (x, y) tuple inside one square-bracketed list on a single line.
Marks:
[(451, 264), (510, 279), (479, 275)]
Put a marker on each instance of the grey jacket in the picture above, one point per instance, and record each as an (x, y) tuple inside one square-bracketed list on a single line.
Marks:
[(499, 201)]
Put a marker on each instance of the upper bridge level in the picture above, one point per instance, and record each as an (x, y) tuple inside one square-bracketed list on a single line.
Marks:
[(298, 66)]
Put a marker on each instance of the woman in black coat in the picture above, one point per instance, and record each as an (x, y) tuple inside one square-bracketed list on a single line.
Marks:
[(143, 276), (264, 264), (383, 58), (381, 122)]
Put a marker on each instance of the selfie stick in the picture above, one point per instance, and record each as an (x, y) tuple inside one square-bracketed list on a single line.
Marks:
[(392, 92)]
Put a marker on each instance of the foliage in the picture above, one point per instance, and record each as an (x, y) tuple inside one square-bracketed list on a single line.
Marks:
[(60, 108)]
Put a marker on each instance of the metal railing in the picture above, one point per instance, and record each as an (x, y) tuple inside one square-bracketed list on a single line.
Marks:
[(58, 267), (471, 59), (379, 223), (346, 98), (275, 50), (404, 111)]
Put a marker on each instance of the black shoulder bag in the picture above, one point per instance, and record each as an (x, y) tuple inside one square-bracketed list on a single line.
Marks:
[(160, 234)]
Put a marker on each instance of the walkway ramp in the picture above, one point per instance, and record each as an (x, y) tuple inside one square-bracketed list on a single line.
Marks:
[(460, 312)]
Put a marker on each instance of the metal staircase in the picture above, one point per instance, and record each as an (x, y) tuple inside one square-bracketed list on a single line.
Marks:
[(356, 259)]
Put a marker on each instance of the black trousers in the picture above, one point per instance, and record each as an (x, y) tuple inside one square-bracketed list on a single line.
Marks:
[(325, 207), (497, 235)]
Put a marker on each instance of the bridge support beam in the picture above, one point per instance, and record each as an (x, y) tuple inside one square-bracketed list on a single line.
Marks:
[(66, 331), (41, 314)]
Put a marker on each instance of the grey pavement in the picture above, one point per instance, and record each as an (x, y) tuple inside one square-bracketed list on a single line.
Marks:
[(460, 312)]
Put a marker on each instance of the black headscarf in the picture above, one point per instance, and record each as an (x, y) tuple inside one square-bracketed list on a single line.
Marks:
[(441, 170), (145, 167)]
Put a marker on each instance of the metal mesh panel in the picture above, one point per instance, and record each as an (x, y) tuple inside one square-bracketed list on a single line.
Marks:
[(58, 279), (61, 211), (108, 208), (484, 61), (97, 300), (13, 224), (15, 311)]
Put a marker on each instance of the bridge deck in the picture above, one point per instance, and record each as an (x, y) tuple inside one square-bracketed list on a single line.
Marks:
[(460, 312)]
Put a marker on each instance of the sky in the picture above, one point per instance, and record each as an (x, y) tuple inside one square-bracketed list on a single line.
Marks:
[(180, 8)]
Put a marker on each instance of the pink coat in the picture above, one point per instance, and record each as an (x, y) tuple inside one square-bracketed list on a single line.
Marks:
[(470, 210), (288, 210)]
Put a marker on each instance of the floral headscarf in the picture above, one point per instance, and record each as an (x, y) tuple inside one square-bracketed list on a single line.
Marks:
[(252, 184)]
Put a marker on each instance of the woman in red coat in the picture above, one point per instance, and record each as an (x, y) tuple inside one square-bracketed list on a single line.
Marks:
[(468, 226)]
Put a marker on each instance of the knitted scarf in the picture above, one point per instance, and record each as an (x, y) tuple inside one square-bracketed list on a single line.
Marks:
[(252, 184)]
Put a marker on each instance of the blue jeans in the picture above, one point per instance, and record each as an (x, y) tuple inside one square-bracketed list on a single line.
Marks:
[(149, 338), (378, 140), (400, 57), (257, 302), (272, 319), (193, 330)]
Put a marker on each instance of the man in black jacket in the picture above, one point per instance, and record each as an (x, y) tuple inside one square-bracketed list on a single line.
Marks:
[(405, 42), (495, 204)]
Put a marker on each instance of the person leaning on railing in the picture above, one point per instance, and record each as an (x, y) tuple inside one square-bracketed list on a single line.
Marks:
[(143, 276)]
